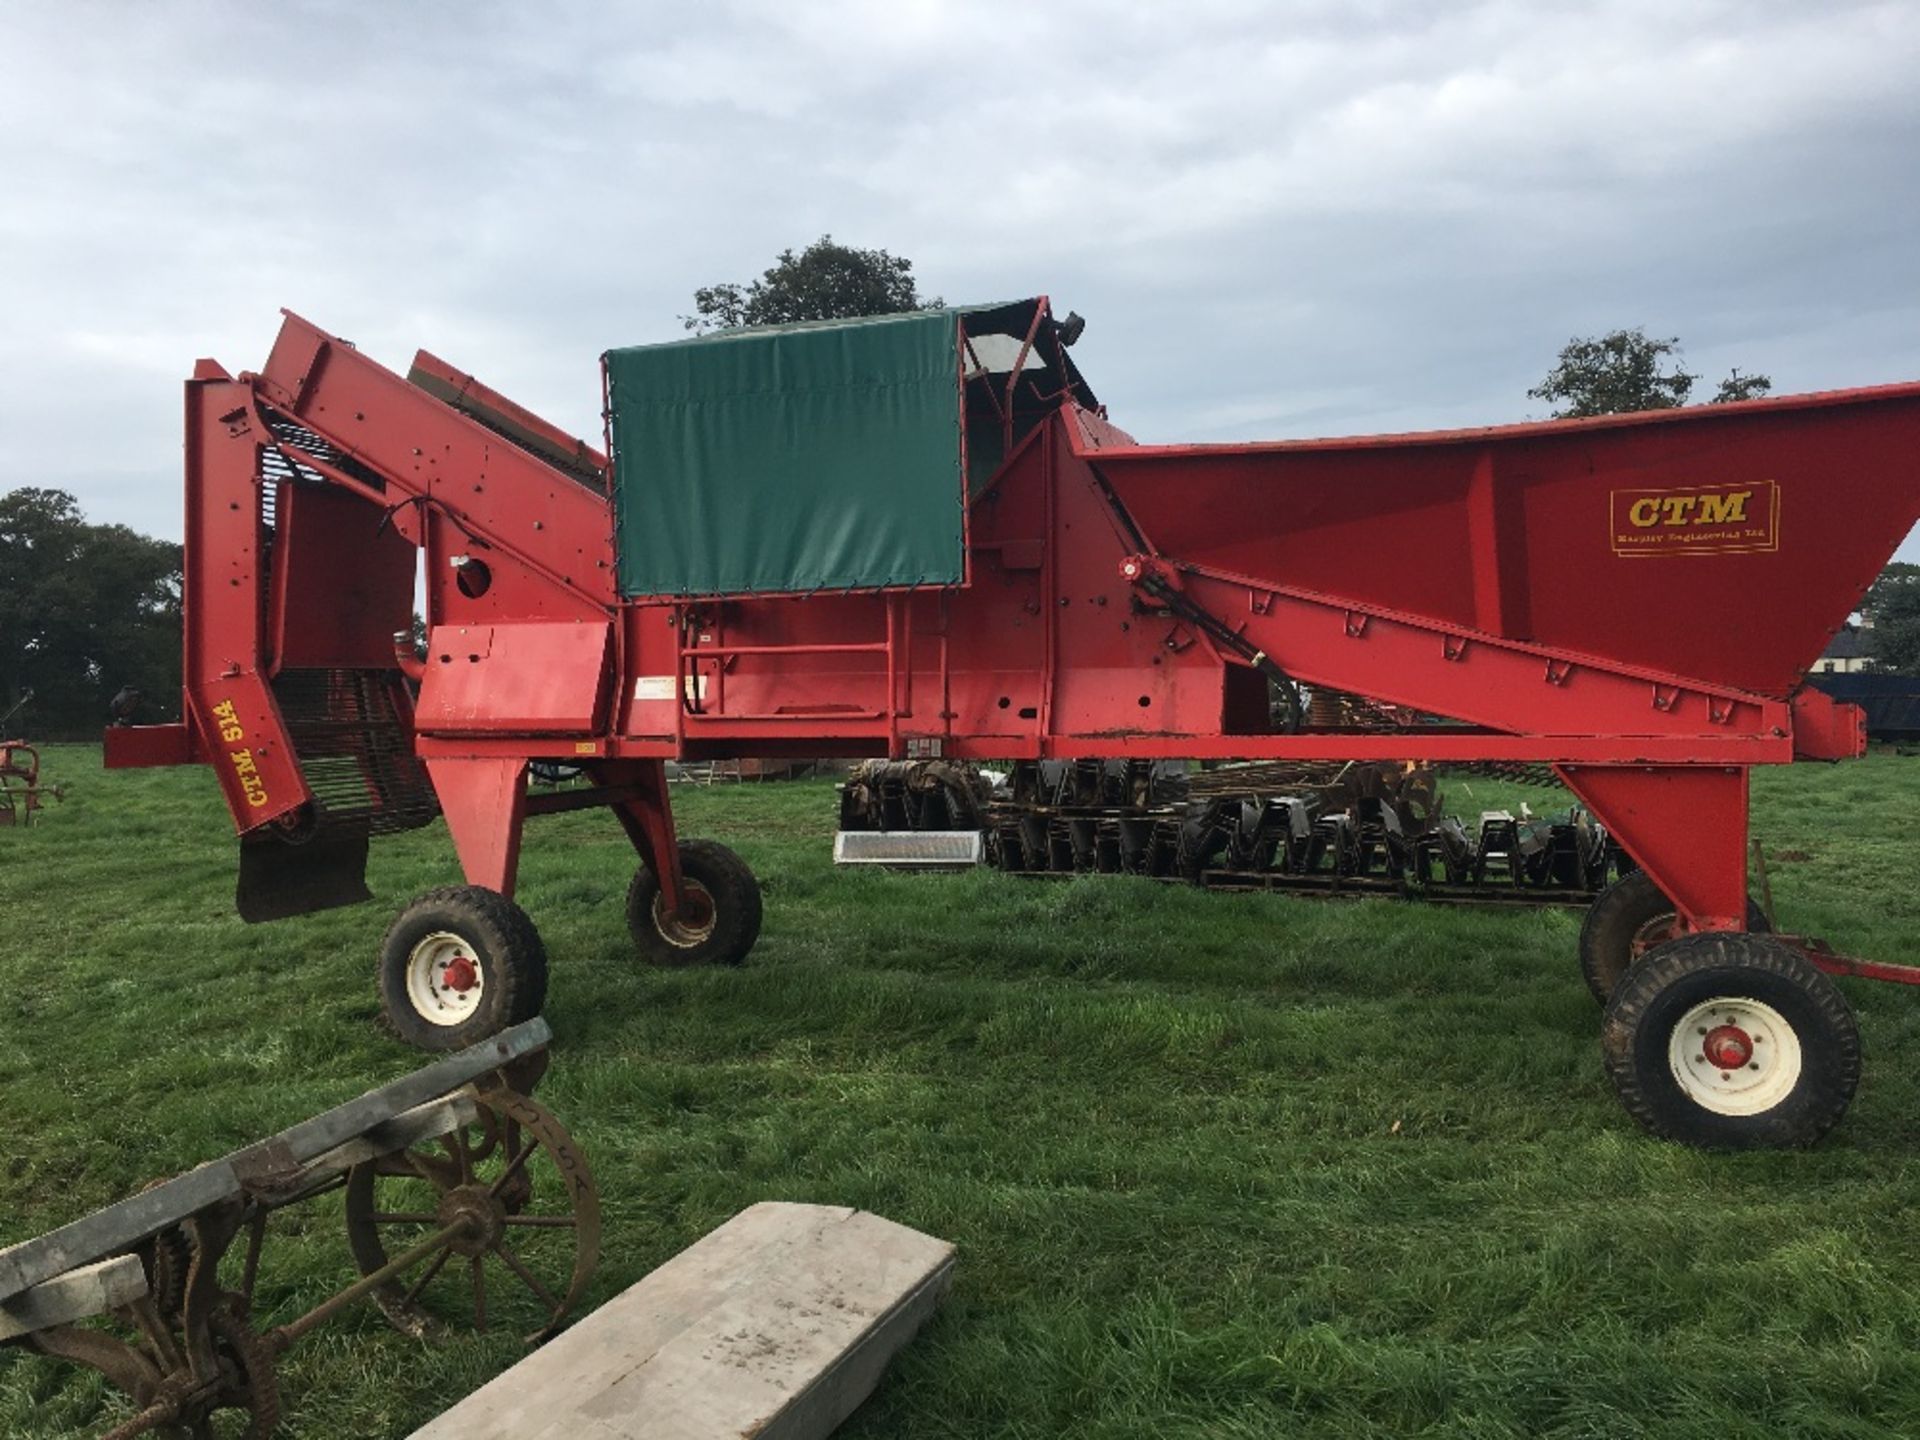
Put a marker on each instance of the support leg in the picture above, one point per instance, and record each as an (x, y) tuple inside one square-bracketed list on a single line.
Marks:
[(484, 801), (648, 821), (693, 902), (1686, 826)]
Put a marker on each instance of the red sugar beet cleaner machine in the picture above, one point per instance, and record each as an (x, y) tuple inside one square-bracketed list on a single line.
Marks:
[(920, 535)]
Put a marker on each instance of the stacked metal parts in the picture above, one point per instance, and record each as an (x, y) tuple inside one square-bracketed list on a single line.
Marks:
[(1349, 828)]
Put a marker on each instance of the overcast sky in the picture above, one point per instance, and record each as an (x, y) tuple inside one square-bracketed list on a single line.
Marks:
[(1280, 220)]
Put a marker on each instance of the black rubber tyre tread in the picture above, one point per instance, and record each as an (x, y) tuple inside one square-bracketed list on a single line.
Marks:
[(1615, 917), (513, 964), (1675, 977), (736, 908), (530, 998)]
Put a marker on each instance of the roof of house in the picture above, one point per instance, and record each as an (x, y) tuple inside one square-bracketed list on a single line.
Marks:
[(1847, 644)]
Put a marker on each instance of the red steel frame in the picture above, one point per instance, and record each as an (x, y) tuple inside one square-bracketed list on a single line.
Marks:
[(1122, 600)]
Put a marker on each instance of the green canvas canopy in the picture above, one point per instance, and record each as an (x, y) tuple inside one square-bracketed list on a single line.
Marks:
[(795, 458)]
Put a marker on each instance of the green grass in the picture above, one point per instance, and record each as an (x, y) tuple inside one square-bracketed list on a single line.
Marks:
[(1221, 1166)]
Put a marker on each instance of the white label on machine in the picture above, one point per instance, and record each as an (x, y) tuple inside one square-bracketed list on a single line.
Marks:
[(910, 849), (660, 687)]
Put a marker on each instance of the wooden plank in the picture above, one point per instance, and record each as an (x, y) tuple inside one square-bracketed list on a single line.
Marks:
[(342, 1123), (412, 1127), (122, 1225), (777, 1325), (91, 1290)]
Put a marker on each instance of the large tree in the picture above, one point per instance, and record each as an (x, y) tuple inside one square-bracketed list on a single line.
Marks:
[(1626, 370), (825, 281), (85, 612), (1893, 605)]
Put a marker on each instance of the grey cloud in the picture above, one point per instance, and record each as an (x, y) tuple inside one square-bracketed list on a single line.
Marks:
[(1282, 220)]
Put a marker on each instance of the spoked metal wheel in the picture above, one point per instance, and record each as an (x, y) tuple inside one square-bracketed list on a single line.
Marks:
[(504, 1216), (220, 1386)]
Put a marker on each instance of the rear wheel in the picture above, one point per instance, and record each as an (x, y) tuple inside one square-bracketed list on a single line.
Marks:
[(459, 964), (1732, 1042), (1631, 917), (719, 920)]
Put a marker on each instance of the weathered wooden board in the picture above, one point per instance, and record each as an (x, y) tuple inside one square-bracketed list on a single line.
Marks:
[(118, 1227), (140, 1217), (90, 1290), (342, 1123), (776, 1326), (404, 1131)]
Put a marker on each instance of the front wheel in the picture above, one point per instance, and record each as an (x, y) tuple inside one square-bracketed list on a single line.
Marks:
[(459, 964), (719, 920), (1732, 1042)]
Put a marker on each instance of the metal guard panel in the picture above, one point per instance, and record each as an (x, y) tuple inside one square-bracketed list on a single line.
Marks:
[(790, 459), (910, 849), (532, 678)]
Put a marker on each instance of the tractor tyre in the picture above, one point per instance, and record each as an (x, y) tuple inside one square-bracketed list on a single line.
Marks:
[(720, 920), (459, 964), (1629, 918), (1732, 1042)]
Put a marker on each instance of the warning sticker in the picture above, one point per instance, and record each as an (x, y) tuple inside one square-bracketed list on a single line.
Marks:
[(660, 687)]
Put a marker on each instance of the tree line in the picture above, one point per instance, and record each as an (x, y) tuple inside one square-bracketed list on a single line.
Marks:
[(90, 613)]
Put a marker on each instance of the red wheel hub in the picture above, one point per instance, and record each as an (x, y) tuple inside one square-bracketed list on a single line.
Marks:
[(1727, 1047), (461, 974)]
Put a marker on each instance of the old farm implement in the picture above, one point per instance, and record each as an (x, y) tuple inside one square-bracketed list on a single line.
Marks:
[(455, 1181), (920, 535), (22, 796), (466, 1200)]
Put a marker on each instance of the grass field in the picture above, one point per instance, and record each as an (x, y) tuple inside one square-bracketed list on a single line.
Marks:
[(1221, 1166)]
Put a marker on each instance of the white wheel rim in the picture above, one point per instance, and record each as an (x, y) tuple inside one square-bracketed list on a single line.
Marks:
[(1735, 1056), (444, 979), (679, 933)]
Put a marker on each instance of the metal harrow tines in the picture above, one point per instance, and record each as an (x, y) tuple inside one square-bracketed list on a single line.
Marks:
[(1321, 829)]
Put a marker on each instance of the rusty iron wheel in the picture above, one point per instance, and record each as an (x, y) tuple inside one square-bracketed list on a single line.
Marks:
[(167, 1258), (247, 1379), (529, 1215), (237, 1399)]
